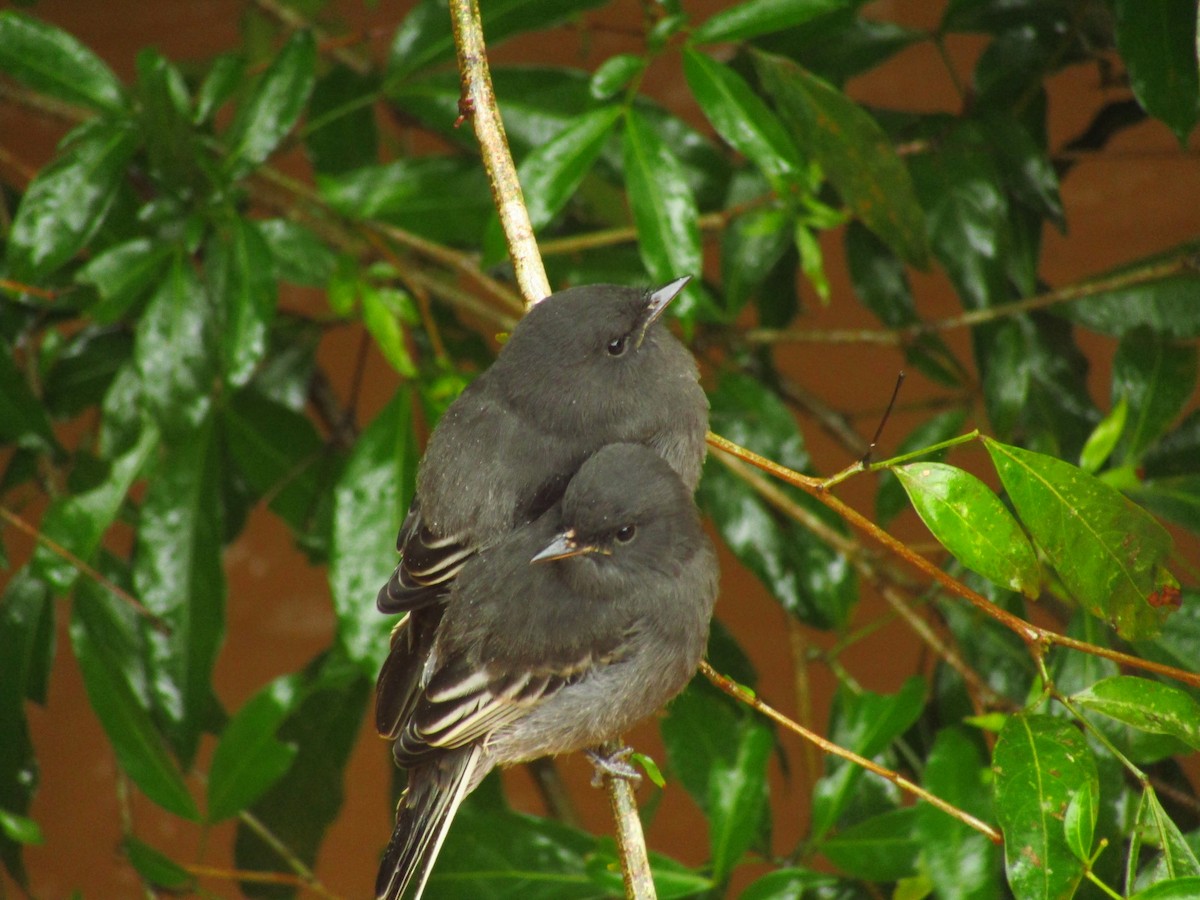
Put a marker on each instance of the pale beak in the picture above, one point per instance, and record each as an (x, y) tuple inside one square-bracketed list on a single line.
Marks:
[(660, 300), (563, 546)]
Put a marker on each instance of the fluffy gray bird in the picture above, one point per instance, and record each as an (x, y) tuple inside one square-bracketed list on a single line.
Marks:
[(586, 367), (557, 637)]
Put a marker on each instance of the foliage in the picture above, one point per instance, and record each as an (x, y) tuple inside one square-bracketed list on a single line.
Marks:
[(157, 382)]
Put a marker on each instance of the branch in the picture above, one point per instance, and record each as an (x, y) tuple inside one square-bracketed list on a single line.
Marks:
[(479, 103)]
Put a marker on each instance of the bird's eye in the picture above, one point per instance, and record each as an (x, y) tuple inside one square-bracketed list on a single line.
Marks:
[(625, 534), (617, 345)]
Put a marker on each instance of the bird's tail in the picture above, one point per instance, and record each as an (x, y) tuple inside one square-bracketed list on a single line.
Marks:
[(435, 791)]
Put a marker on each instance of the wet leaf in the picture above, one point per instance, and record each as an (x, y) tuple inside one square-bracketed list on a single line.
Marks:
[(155, 868), (122, 274), (1159, 47), (274, 106), (56, 63), (1146, 705), (1155, 377), (882, 848), (755, 17), (241, 277), (737, 794)]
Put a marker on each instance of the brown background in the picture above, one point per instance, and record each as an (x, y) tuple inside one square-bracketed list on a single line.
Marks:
[(1141, 194)]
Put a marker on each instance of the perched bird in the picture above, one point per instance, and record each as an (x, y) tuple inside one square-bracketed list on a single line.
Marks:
[(557, 637), (586, 367)]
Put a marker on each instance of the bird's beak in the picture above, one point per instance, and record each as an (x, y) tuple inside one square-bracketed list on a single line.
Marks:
[(563, 546), (658, 302)]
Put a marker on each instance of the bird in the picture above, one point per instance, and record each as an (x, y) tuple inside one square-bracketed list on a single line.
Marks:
[(557, 637), (587, 366)]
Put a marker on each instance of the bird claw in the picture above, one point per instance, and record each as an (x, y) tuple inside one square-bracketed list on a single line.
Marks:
[(613, 765)]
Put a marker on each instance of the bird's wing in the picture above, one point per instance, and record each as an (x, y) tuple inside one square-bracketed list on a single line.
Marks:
[(427, 566), (398, 686), (463, 702)]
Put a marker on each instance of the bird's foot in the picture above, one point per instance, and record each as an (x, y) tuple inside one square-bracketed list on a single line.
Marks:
[(613, 765)]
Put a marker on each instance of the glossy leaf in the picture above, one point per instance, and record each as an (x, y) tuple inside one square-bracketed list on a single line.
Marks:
[(811, 581), (83, 371), (122, 274), (1165, 305), (1147, 705), (1104, 437), (241, 279), (1159, 47), (1079, 821), (301, 805), (21, 829), (737, 795), (225, 76), (1177, 499), (369, 501), (854, 152), (178, 576), (1177, 859), (274, 107), (249, 758), (840, 44), (754, 17), (67, 200), (54, 62), (882, 848), (297, 254), (663, 206), (971, 522), (740, 117), (1185, 888), (792, 884), (341, 134), (156, 869), (701, 732), (962, 863), (551, 174), (891, 498), (1040, 763), (425, 38), (1109, 553), (79, 522), (381, 312), (140, 750), (612, 75), (1155, 378), (173, 353), (865, 723), (23, 418)]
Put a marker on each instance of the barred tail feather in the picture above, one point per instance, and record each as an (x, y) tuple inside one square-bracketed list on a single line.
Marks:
[(434, 793)]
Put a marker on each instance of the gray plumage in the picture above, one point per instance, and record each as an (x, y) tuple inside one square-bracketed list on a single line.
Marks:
[(558, 637), (586, 367)]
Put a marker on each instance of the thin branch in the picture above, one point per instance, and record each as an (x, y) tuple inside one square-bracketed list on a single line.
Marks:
[(306, 875), (631, 842), (745, 695), (479, 103), (160, 625), (1035, 637)]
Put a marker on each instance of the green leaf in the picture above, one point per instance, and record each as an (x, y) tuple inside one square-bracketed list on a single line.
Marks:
[(178, 575), (241, 278), (841, 44), (1079, 821), (1147, 705), (853, 151), (79, 522), (866, 723), (21, 829), (341, 135), (23, 418), (297, 254), (1186, 888), (811, 580), (882, 848), (967, 214), (249, 758), (737, 795), (425, 37), (157, 869), (551, 174), (1040, 763), (755, 17), (1165, 304), (298, 808), (962, 863), (442, 198), (83, 371), (793, 884), (381, 310), (702, 731), (225, 76), (664, 208), (1109, 552), (1156, 378), (1177, 499), (274, 107), (54, 62), (122, 274), (173, 353), (67, 200), (614, 73), (1177, 859), (369, 501), (1158, 44), (740, 117), (139, 748), (892, 499), (1104, 437), (971, 522)]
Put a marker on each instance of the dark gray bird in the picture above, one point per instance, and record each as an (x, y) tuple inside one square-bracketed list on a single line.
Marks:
[(586, 367), (557, 637)]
